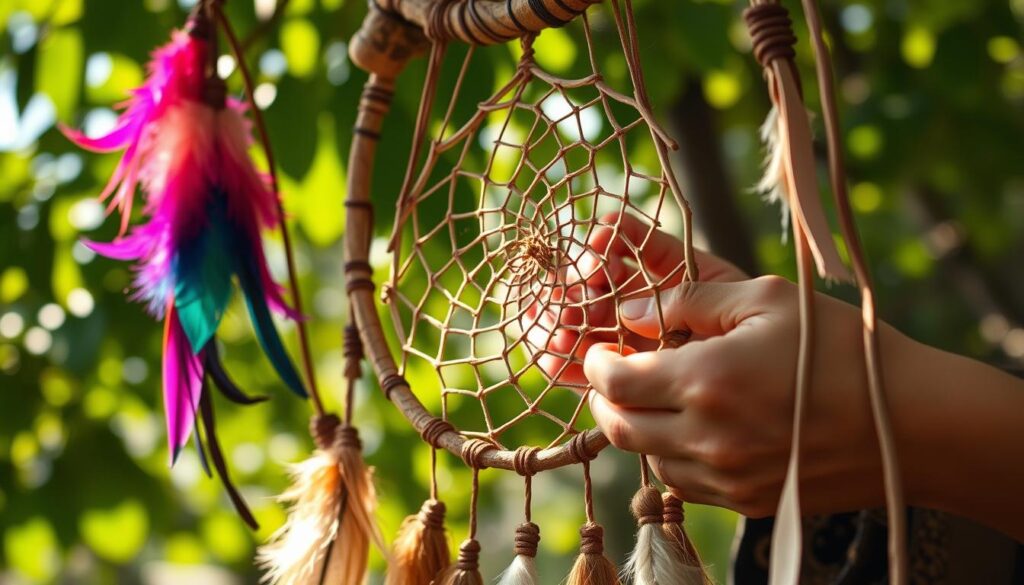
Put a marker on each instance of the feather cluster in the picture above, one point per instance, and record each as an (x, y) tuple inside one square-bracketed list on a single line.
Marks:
[(330, 525), (205, 208), (654, 561)]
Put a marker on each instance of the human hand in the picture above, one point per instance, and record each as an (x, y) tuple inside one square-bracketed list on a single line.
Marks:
[(715, 415), (563, 322)]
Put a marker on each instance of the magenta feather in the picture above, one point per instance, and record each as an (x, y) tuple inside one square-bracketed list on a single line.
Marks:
[(176, 73), (183, 384)]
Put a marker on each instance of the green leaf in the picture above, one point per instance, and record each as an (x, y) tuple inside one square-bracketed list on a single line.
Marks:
[(59, 70), (319, 197), (300, 42), (32, 549), (116, 534)]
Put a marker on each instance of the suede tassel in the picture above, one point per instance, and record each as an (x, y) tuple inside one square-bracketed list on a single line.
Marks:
[(654, 561), (466, 571), (790, 170), (523, 570), (592, 567), (673, 517), (420, 551)]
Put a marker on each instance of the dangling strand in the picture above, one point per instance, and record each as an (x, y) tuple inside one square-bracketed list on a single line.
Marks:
[(523, 570), (420, 551), (592, 567), (673, 517), (654, 561), (466, 571)]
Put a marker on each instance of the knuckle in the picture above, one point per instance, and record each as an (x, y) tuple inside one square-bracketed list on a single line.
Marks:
[(771, 288)]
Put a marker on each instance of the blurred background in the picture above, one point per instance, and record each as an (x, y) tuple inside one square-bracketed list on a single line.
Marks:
[(932, 96)]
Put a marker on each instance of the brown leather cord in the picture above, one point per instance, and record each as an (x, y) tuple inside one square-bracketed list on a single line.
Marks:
[(895, 500)]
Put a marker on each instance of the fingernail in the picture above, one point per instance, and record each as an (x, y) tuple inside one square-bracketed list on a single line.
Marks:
[(636, 309)]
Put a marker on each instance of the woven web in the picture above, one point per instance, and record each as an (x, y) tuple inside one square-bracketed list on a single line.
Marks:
[(527, 227)]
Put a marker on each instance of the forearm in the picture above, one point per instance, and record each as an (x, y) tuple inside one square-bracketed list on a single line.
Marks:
[(961, 428)]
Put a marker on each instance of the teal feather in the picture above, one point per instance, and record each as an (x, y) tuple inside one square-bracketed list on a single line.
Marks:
[(203, 283), (263, 323)]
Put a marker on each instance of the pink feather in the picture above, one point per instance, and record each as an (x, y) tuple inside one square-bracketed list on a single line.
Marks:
[(176, 73), (183, 383)]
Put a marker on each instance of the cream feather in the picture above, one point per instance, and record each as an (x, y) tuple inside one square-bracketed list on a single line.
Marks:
[(522, 571), (300, 547)]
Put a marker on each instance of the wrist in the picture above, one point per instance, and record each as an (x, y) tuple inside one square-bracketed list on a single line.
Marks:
[(958, 424)]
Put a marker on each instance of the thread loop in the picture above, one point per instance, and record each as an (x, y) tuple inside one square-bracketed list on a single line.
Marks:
[(324, 429), (771, 33), (527, 539), (473, 451), (592, 539), (433, 431), (469, 556)]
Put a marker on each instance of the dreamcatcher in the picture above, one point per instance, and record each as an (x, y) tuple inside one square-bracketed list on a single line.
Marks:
[(521, 228)]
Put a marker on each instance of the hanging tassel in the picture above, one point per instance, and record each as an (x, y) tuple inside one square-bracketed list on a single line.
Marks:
[(326, 537), (790, 172), (297, 553), (592, 567), (420, 551), (523, 570), (466, 571), (673, 517), (655, 561)]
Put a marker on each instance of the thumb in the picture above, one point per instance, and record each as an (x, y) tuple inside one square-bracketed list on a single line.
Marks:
[(702, 308)]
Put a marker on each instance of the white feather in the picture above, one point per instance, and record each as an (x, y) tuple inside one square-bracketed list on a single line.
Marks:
[(639, 568), (655, 562), (669, 569), (522, 571), (773, 186)]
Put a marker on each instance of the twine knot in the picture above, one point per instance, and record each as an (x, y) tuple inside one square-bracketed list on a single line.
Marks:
[(771, 32), (526, 61), (647, 506), (390, 383), (433, 431), (524, 461), (436, 28), (323, 429), (353, 352), (579, 450), (348, 438), (432, 514), (527, 539), (592, 539), (473, 451), (469, 556), (673, 512)]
